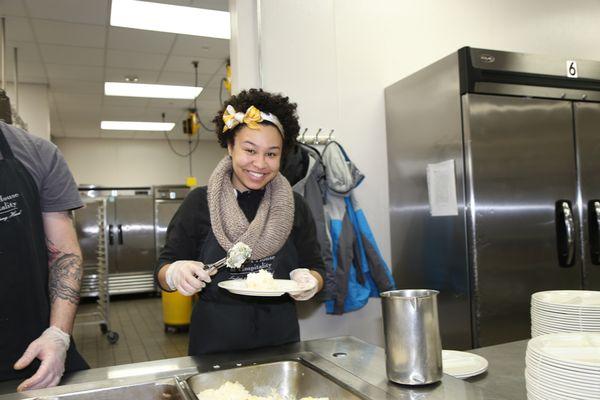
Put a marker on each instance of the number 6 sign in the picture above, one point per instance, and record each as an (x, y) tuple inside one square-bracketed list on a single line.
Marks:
[(571, 69)]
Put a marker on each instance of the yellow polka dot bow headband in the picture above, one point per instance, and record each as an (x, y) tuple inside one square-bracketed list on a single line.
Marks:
[(251, 118)]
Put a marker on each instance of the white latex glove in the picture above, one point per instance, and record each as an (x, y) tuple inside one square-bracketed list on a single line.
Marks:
[(307, 282), (51, 348), (187, 277)]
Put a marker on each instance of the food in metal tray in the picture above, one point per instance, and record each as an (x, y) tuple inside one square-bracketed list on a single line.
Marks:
[(236, 391)]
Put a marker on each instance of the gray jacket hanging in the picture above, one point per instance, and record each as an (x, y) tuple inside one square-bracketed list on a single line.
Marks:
[(304, 169)]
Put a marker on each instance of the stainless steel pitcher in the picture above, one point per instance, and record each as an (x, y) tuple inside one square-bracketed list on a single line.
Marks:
[(413, 346)]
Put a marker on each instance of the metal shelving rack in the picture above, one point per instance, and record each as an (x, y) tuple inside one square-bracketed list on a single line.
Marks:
[(102, 315)]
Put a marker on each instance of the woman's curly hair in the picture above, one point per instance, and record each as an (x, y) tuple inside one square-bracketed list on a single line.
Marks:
[(272, 103)]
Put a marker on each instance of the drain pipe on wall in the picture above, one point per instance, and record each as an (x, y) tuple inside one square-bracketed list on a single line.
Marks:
[(16, 103), (2, 51), (258, 42)]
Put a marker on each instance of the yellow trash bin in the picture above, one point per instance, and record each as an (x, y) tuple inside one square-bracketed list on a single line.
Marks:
[(177, 311)]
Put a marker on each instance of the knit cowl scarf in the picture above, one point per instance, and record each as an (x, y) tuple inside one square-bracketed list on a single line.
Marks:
[(271, 226)]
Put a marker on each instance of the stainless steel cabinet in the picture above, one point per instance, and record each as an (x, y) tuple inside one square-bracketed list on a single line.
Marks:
[(520, 178), (86, 225), (523, 140), (587, 127), (167, 200), (130, 232), (164, 211)]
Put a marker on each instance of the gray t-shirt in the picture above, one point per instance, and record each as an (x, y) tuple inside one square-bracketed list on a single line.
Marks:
[(44, 161)]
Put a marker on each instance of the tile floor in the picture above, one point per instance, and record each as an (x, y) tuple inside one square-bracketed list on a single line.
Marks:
[(138, 321)]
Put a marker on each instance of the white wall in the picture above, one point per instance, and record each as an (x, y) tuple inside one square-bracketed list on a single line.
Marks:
[(243, 46), (33, 107), (335, 57), (122, 162)]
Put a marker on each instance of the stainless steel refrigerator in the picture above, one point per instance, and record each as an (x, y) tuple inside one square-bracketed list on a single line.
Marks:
[(167, 200), (130, 244), (494, 181)]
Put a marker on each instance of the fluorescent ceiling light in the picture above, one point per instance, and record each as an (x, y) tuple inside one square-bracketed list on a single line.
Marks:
[(170, 18), (146, 90), (136, 126)]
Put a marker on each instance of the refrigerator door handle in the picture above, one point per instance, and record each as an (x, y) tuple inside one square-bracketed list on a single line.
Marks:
[(565, 233), (120, 233), (111, 235), (594, 230)]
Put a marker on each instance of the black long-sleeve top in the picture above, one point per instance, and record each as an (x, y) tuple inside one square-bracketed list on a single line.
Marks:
[(191, 224)]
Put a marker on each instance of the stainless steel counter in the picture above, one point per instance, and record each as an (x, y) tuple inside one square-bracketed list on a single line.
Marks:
[(505, 375), (357, 365)]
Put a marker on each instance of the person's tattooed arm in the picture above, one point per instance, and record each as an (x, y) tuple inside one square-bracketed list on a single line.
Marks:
[(64, 279), (65, 274), (64, 268)]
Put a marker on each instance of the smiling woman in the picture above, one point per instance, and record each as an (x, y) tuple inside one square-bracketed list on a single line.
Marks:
[(256, 157), (247, 200)]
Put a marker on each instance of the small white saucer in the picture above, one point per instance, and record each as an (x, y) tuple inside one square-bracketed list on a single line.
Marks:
[(461, 364)]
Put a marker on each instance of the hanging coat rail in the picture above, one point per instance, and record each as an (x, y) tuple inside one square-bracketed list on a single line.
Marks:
[(320, 137)]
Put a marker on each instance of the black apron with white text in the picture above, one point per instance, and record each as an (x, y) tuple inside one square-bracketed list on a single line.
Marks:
[(223, 321), (24, 301)]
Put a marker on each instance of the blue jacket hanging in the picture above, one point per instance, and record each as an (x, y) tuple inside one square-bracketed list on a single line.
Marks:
[(359, 269)]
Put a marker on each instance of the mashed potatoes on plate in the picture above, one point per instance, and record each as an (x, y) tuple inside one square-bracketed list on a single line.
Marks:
[(261, 280), (236, 391)]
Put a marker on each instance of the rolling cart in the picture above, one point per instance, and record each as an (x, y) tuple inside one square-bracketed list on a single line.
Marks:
[(101, 316)]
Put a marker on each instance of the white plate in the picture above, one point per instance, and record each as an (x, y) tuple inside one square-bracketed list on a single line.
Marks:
[(546, 390), (461, 364), (566, 325), (564, 317), (558, 377), (562, 310), (569, 298), (561, 374), (580, 325), (541, 361), (578, 349), (550, 328), (239, 287)]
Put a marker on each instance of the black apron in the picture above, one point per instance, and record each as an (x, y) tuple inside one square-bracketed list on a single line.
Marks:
[(24, 301), (224, 322)]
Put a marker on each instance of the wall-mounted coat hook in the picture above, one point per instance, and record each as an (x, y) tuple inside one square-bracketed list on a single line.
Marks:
[(329, 137), (317, 136)]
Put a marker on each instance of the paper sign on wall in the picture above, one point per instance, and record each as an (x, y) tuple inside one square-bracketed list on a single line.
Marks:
[(441, 188)]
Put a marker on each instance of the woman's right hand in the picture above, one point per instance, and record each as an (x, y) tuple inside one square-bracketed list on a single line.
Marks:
[(187, 277)]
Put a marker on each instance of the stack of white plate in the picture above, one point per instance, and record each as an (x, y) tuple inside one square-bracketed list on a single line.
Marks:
[(565, 311), (563, 366)]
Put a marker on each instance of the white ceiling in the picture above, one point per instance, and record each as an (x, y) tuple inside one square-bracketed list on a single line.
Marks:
[(70, 45)]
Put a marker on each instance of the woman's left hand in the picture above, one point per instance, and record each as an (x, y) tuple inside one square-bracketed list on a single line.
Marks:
[(307, 282)]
